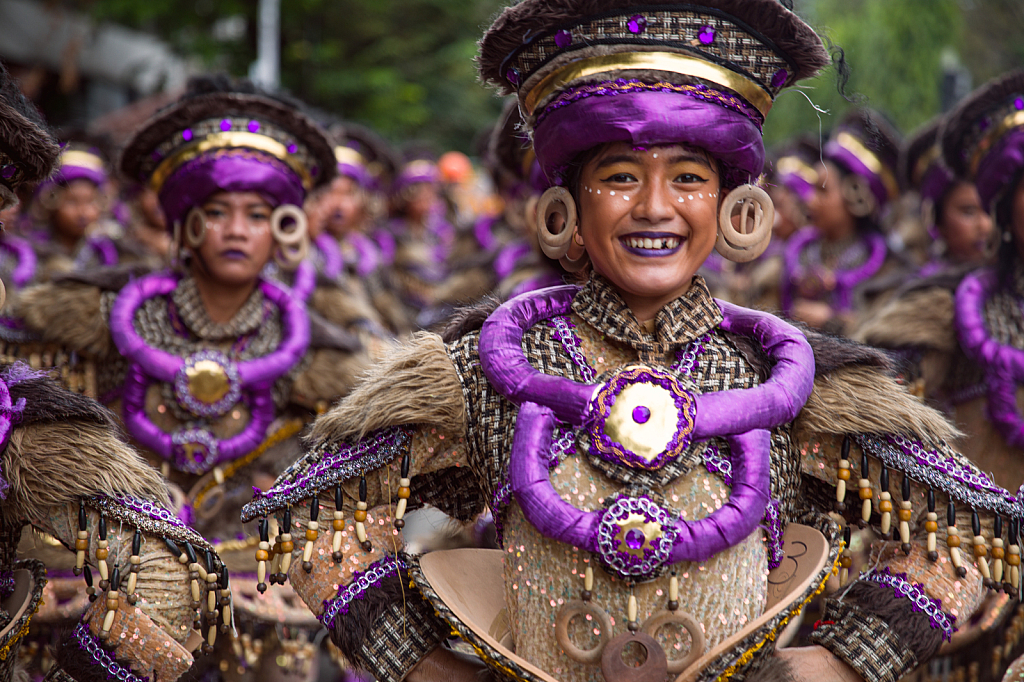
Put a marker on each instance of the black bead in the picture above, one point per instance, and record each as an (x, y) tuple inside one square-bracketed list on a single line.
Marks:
[(962, 572), (224, 578), (931, 500), (287, 525), (633, 626), (137, 542), (88, 575), (906, 548), (307, 566), (863, 465), (975, 523), (314, 509), (367, 547), (261, 587), (115, 578), (845, 451), (172, 548), (264, 530), (190, 552), (103, 527), (883, 478), (82, 518), (847, 533), (998, 527), (338, 498), (405, 465), (951, 514), (586, 595), (905, 488), (933, 556), (399, 524), (337, 557), (362, 488), (673, 605)]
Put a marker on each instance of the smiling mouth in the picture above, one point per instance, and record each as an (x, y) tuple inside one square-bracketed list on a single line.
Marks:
[(652, 243), (234, 255)]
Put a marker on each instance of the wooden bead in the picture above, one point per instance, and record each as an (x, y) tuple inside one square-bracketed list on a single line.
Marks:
[(262, 555), (360, 516), (1013, 559), (287, 547), (101, 553), (81, 545), (885, 506), (931, 526), (980, 550), (866, 493), (404, 493), (846, 561), (953, 540), (844, 474), (998, 553), (905, 514), (311, 535), (338, 524)]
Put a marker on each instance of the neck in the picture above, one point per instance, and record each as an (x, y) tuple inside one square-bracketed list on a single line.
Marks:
[(221, 299)]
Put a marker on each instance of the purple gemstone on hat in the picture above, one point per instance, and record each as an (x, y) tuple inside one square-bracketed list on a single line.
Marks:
[(984, 123), (635, 538), (254, 126), (706, 35), (186, 135), (563, 39), (637, 24), (1018, 103), (513, 76), (292, 148), (641, 414), (8, 171), (225, 125), (780, 78)]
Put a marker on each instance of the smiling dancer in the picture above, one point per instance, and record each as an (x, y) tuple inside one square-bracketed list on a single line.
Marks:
[(660, 464)]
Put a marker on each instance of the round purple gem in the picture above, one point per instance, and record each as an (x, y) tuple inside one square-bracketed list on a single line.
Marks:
[(1018, 103), (8, 171), (186, 135), (635, 538), (292, 148), (254, 126), (225, 125), (706, 35), (513, 76), (563, 39), (780, 78), (641, 414), (637, 24)]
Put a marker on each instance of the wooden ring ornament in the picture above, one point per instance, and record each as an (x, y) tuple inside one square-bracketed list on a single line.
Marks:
[(574, 264), (928, 213), (556, 201), (299, 229), (688, 623), (175, 254), (600, 617), (3, 293), (756, 207), (654, 669), (194, 231), (51, 199), (288, 256), (860, 200)]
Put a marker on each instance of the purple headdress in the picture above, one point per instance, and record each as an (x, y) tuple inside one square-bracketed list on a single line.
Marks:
[(702, 74), (865, 145), (77, 164)]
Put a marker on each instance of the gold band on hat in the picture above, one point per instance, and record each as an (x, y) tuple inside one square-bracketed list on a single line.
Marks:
[(1008, 123), (81, 159), (671, 62), (343, 154), (870, 160), (228, 140), (925, 160), (796, 166)]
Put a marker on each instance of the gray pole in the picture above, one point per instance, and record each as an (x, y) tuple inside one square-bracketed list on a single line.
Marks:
[(268, 62)]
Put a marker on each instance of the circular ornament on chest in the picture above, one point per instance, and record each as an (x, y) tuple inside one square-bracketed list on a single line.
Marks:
[(208, 384), (643, 419), (635, 538)]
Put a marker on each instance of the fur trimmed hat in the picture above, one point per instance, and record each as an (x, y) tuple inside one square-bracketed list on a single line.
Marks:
[(793, 166), (921, 166), (588, 72), (983, 138), (509, 155), (28, 151), (224, 135), (363, 155), (867, 145)]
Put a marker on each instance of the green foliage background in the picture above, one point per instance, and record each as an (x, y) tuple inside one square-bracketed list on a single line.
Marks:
[(406, 67)]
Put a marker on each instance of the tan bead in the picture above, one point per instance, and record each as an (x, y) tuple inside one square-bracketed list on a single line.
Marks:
[(844, 474), (885, 506), (1013, 559), (102, 553), (998, 553), (846, 561), (404, 493), (980, 550), (905, 514), (262, 555), (287, 547), (931, 526), (311, 535), (338, 524), (81, 545), (866, 493), (360, 515), (953, 540)]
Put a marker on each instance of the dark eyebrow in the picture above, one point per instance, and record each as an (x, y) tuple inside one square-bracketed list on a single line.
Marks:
[(616, 158)]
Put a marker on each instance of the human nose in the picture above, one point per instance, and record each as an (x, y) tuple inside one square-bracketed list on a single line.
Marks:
[(654, 203), (236, 225)]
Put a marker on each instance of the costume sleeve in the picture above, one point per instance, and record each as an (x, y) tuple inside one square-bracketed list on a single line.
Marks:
[(68, 474), (69, 314), (878, 458), (397, 442)]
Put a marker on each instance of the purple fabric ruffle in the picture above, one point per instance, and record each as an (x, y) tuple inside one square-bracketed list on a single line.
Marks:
[(999, 167)]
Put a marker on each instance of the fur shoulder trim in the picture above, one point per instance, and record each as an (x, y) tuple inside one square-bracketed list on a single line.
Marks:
[(859, 399), (68, 314), (415, 383), (920, 319), (470, 318), (341, 307), (330, 375)]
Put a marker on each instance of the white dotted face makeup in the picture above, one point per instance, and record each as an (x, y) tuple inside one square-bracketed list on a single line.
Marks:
[(612, 193)]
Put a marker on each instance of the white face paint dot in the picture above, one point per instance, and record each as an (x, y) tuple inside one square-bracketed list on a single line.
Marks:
[(626, 197), (655, 156), (681, 200), (612, 192), (700, 196), (690, 197), (598, 191)]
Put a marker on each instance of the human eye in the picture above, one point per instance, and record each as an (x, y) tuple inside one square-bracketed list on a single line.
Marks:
[(213, 212), (689, 178), (621, 178)]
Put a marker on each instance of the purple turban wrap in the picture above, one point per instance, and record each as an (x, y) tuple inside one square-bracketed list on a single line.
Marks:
[(1000, 166)]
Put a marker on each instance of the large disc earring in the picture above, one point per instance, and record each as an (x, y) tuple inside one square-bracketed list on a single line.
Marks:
[(556, 222), (860, 200), (175, 247), (756, 217), (194, 229), (288, 256), (293, 233)]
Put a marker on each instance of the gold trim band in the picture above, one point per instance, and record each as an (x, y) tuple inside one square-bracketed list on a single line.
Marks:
[(228, 140), (925, 160), (350, 156), (76, 157), (991, 137), (796, 166), (672, 62), (871, 160)]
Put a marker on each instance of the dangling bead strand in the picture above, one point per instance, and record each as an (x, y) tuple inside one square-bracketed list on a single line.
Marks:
[(997, 553), (842, 476), (906, 513), (102, 552), (312, 533), (364, 542), (953, 540), (82, 542), (980, 550), (225, 599), (89, 589), (1013, 559), (193, 576), (632, 624), (275, 558), (885, 501), (212, 580), (262, 556), (931, 525), (846, 560), (338, 524), (403, 493), (866, 494), (134, 562), (588, 584), (673, 592), (287, 547), (112, 603)]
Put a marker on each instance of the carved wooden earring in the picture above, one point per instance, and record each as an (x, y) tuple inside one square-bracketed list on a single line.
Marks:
[(756, 217), (556, 202)]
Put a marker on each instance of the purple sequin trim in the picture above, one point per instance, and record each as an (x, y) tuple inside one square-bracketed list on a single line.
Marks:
[(102, 657), (716, 464), (147, 508), (499, 501), (194, 450), (921, 602), (621, 86), (950, 466), (6, 583), (361, 582), (622, 550), (686, 361), (773, 529), (563, 332)]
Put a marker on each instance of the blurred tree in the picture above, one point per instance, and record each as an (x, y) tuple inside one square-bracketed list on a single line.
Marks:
[(405, 68)]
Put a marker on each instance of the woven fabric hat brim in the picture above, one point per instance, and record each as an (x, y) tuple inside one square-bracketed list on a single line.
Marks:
[(466, 587)]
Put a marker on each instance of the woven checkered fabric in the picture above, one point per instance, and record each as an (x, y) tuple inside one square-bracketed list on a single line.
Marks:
[(1004, 317), (678, 29), (865, 642), (401, 637)]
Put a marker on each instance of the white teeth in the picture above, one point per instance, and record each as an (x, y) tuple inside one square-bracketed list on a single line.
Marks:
[(648, 244), (653, 244)]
